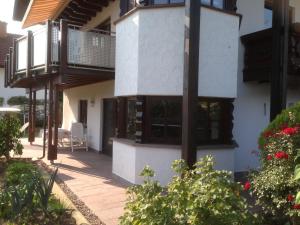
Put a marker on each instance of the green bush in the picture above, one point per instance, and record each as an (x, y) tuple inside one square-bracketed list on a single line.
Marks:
[(29, 201), (202, 196), (19, 172), (1, 101), (10, 135), (274, 186), (18, 100)]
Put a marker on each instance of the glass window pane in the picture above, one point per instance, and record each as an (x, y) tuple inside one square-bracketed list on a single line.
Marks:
[(218, 4), (131, 118), (157, 2), (268, 14), (206, 2), (215, 111), (177, 1), (215, 130)]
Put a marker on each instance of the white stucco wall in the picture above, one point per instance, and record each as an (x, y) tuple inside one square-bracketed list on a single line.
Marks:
[(6, 93), (97, 92), (127, 58), (252, 105), (151, 61), (129, 159)]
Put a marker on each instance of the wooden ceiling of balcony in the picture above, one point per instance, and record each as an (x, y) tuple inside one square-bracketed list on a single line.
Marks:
[(81, 12)]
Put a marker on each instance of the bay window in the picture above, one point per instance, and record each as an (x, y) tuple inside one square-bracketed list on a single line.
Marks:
[(158, 120)]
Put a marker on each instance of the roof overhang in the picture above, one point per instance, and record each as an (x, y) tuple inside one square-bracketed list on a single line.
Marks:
[(20, 7), (38, 11)]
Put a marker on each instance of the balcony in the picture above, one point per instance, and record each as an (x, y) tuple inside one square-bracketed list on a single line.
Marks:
[(258, 56), (63, 50)]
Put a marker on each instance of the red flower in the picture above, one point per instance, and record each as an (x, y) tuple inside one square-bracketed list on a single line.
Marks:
[(247, 186), (269, 157), (290, 198), (296, 206), (268, 134), (290, 130), (281, 155)]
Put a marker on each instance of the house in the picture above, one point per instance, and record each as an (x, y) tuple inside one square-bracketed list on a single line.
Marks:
[(120, 66), (6, 40)]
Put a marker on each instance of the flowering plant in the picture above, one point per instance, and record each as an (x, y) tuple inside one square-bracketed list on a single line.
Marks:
[(274, 186)]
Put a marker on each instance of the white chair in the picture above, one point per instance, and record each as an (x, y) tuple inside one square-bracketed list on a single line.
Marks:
[(24, 127), (77, 137)]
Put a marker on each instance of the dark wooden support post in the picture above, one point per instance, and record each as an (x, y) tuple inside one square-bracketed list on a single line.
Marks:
[(48, 46), (63, 48), (56, 121), (6, 73), (14, 57), (8, 68), (33, 115), (30, 117), (29, 55), (279, 57), (51, 155), (45, 122), (10, 64), (190, 81)]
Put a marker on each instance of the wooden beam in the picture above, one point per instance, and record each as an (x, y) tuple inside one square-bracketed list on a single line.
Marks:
[(33, 114), (51, 155), (190, 81), (30, 117), (77, 15), (11, 77), (78, 8), (279, 57), (48, 46), (29, 56), (14, 58), (63, 47), (56, 122)]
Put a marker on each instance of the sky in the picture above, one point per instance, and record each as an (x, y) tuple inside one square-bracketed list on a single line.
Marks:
[(6, 14)]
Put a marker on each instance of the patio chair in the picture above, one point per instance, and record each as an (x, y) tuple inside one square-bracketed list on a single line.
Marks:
[(24, 127), (78, 138)]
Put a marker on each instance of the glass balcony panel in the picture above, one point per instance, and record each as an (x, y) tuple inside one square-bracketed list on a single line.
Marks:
[(55, 44), (91, 49), (21, 54), (39, 39)]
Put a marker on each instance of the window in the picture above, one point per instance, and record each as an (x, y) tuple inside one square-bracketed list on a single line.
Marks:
[(163, 120), (131, 118), (214, 3), (268, 17), (82, 117), (214, 122)]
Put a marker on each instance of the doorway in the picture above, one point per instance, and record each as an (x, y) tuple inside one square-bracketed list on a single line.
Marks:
[(109, 124)]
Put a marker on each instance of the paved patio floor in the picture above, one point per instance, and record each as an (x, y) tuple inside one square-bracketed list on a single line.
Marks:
[(89, 176)]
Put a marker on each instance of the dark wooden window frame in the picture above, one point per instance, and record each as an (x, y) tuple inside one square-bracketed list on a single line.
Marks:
[(128, 5), (82, 116), (143, 126)]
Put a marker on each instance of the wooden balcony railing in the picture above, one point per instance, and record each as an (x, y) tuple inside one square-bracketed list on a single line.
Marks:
[(258, 55), (58, 47)]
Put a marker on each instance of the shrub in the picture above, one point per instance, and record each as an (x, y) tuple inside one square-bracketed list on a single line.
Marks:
[(202, 196), (274, 186), (1, 101), (18, 100), (19, 172), (29, 201), (9, 136)]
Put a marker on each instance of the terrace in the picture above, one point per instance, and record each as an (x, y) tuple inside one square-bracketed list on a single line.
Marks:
[(63, 52)]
